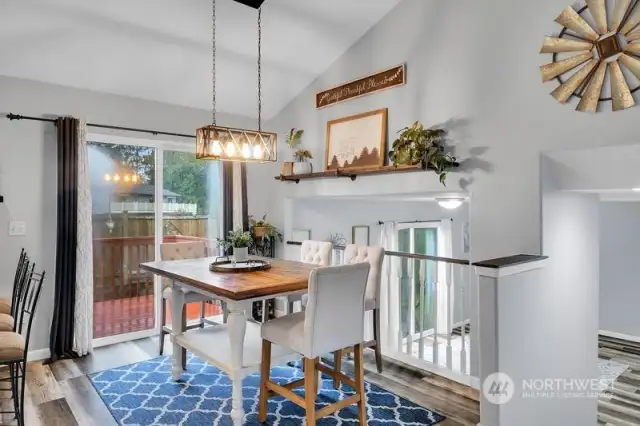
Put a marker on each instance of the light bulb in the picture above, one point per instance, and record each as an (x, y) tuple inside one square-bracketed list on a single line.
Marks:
[(216, 149), (116, 178), (246, 150), (127, 178), (107, 177), (134, 178), (257, 151), (230, 149)]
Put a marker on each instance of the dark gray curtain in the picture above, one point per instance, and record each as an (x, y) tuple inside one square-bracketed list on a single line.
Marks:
[(227, 197), (61, 340), (245, 204)]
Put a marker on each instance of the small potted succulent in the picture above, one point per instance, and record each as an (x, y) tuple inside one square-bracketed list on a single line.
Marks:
[(300, 155), (240, 241)]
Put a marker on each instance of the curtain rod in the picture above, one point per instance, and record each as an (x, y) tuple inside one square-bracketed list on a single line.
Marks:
[(380, 222), (12, 117)]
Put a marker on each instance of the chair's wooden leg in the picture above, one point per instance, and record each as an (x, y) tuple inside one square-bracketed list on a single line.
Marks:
[(362, 404), (337, 362), (265, 372), (376, 336), (203, 310), (184, 328), (163, 322), (309, 390)]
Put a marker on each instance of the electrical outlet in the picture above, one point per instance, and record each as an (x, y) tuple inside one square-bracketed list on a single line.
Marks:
[(17, 228)]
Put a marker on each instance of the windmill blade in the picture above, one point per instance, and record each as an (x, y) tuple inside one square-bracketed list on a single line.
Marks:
[(598, 9), (633, 48), (633, 36), (632, 63), (632, 20), (566, 89), (618, 13), (591, 96), (563, 45), (622, 97), (569, 18), (554, 69)]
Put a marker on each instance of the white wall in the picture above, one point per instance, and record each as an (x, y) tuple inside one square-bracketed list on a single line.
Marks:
[(559, 315), (619, 272), (28, 167), (473, 67)]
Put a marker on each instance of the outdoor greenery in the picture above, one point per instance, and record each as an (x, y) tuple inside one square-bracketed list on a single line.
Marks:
[(425, 147), (183, 174)]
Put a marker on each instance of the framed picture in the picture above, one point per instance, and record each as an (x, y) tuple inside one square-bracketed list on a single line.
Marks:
[(357, 142), (360, 235), (300, 235)]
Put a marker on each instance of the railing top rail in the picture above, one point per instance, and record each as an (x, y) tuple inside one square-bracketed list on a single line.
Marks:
[(406, 255)]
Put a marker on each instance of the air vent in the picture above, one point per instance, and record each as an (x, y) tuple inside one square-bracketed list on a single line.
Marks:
[(251, 3)]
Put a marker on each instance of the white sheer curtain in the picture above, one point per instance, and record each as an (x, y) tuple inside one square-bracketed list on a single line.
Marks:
[(83, 323), (390, 291), (445, 249), (237, 196)]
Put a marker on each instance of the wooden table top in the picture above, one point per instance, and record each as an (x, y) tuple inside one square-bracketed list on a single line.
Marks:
[(284, 276)]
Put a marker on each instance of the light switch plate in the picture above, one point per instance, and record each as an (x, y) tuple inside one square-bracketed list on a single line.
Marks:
[(17, 228)]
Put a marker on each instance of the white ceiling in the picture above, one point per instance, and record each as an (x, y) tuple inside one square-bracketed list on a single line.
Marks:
[(160, 50)]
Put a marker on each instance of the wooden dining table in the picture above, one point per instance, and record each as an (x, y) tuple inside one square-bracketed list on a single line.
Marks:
[(235, 346)]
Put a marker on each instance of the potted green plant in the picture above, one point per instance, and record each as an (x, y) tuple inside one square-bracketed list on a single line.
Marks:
[(416, 145), (300, 155), (262, 228), (240, 241)]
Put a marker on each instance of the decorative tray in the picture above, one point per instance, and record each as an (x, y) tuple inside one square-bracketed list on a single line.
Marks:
[(226, 265)]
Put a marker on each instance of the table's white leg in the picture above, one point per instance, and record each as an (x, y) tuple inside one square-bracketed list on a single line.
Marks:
[(177, 302), (237, 327), (319, 387)]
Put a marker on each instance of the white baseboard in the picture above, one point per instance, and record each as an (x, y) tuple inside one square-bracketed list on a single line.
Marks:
[(622, 336), (39, 355)]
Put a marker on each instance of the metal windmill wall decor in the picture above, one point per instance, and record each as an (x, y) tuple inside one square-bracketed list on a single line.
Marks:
[(598, 44)]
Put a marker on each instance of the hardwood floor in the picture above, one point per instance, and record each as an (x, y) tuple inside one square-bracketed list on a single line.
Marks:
[(622, 408), (62, 395)]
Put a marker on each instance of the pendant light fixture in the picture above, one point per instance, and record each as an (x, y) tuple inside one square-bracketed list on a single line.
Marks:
[(215, 142)]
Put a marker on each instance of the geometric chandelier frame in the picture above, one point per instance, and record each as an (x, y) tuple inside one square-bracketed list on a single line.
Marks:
[(215, 142)]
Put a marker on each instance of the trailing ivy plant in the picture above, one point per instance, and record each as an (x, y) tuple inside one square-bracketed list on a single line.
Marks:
[(416, 145)]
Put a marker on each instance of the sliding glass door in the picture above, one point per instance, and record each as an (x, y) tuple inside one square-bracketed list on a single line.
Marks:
[(123, 191), (145, 193)]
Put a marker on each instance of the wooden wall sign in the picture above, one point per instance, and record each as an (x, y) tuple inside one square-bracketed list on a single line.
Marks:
[(386, 79)]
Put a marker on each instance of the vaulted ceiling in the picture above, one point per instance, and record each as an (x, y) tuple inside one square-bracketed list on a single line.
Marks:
[(160, 50)]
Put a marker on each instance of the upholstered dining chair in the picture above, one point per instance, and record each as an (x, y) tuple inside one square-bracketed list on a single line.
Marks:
[(316, 253), (333, 320), (374, 255), (179, 251)]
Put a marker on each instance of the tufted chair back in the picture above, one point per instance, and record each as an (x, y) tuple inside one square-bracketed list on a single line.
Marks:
[(179, 251), (374, 255), (316, 252)]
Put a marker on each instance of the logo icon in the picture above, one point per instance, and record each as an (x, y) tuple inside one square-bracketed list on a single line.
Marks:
[(498, 388)]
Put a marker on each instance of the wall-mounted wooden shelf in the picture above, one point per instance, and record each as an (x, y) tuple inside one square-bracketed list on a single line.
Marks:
[(351, 174)]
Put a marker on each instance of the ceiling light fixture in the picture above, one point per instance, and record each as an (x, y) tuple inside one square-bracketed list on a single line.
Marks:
[(215, 142), (636, 189), (450, 203)]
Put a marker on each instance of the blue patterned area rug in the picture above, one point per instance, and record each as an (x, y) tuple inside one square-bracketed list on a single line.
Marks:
[(144, 394)]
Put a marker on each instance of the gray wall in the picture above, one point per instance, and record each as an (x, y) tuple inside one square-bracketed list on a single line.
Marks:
[(28, 166), (619, 272), (472, 66)]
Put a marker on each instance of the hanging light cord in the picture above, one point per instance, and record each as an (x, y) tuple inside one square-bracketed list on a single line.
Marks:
[(260, 69), (213, 64)]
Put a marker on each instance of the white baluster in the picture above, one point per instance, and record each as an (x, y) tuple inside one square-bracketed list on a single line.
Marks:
[(435, 317), (412, 306), (399, 304), (463, 334), (423, 278), (449, 315)]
